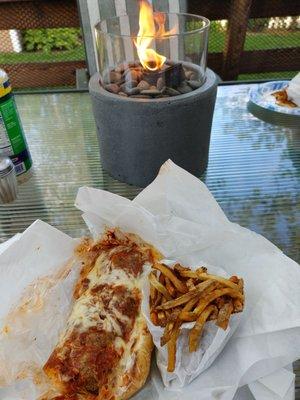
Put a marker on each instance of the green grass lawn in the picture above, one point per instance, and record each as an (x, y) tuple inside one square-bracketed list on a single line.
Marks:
[(268, 76), (254, 41), (27, 57), (257, 41)]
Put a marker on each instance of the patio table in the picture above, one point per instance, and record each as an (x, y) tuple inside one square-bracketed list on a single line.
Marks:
[(253, 171)]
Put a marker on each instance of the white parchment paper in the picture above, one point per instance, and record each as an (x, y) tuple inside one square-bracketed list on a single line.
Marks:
[(178, 215), (37, 275)]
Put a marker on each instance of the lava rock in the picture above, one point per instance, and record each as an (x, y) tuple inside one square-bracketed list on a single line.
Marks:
[(151, 92), (194, 84), (184, 88), (128, 86), (143, 85), (133, 75), (123, 87), (160, 84), (194, 76), (171, 91), (113, 88), (114, 77), (132, 91), (131, 79), (131, 84), (141, 96), (188, 74), (120, 68)]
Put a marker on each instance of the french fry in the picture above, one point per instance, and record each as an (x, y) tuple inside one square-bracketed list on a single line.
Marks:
[(241, 285), (153, 293), (167, 272), (172, 350), (180, 294), (238, 305), (214, 315), (159, 287), (205, 301), (154, 318), (169, 327), (190, 283), (223, 281), (162, 320), (187, 273), (190, 305), (224, 315), (179, 268), (161, 278), (170, 288), (234, 279), (167, 333), (219, 302), (239, 282), (187, 296), (216, 294), (168, 313), (157, 299), (196, 332)]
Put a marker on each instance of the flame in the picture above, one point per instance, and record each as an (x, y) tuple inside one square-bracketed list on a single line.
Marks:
[(149, 58)]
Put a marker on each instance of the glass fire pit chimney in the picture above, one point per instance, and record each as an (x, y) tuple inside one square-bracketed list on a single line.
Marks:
[(152, 55), (153, 98)]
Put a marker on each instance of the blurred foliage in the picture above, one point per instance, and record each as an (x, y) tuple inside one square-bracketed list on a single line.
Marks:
[(47, 40), (258, 24), (218, 26), (215, 26)]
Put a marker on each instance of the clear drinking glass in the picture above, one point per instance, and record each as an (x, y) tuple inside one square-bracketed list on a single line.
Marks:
[(183, 39)]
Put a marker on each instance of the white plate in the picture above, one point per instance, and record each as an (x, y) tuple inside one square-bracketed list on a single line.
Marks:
[(261, 95)]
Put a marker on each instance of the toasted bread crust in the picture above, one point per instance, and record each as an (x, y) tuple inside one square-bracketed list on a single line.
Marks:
[(142, 367)]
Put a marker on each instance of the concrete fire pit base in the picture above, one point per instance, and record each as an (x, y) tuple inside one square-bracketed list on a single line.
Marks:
[(136, 136)]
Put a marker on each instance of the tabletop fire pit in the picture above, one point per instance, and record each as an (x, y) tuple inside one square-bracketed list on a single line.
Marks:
[(153, 98)]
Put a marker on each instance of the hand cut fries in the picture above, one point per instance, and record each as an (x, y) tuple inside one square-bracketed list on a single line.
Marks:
[(168, 273), (159, 287), (180, 294), (224, 315), (195, 333), (185, 298), (205, 301)]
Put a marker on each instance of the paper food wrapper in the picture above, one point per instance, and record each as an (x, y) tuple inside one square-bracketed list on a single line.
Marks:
[(188, 365), (179, 216), (37, 277)]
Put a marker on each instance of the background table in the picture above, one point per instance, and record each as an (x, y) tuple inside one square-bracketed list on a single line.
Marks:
[(253, 172)]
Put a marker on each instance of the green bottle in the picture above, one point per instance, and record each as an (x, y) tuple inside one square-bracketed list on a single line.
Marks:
[(12, 140)]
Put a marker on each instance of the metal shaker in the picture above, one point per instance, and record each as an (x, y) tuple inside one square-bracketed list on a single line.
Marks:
[(8, 181)]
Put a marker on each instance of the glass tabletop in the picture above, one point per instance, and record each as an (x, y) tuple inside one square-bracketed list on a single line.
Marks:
[(253, 172)]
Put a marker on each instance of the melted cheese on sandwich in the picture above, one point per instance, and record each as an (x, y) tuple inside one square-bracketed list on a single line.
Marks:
[(99, 344)]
